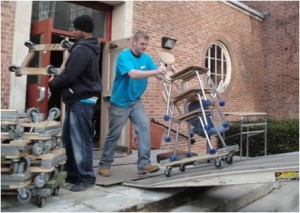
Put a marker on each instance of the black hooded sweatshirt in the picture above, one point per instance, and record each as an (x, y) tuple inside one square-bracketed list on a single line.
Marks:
[(81, 77)]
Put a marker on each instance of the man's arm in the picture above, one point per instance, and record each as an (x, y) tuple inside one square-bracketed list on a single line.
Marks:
[(137, 74), (76, 64)]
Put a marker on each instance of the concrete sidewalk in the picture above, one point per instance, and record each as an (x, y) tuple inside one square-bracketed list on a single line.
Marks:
[(103, 199)]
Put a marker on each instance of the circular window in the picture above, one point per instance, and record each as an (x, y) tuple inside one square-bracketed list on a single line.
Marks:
[(217, 60)]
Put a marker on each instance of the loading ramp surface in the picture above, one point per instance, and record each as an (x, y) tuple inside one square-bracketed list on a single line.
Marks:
[(271, 168)]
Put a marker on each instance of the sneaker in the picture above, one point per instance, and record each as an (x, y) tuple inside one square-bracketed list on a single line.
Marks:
[(71, 180), (104, 172), (81, 186), (149, 168)]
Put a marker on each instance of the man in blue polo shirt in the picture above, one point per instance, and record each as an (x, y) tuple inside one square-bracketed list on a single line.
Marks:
[(133, 67)]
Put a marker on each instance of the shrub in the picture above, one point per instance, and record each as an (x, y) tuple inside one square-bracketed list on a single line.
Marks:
[(282, 137)]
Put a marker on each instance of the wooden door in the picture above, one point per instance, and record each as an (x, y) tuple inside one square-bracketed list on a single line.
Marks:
[(110, 53)]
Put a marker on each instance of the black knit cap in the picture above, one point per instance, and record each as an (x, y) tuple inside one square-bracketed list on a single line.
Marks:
[(84, 23)]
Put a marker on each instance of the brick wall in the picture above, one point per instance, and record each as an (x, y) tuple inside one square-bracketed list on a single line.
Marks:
[(281, 56), (8, 9), (196, 25)]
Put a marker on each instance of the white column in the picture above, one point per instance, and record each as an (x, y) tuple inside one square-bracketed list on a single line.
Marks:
[(17, 99), (122, 20)]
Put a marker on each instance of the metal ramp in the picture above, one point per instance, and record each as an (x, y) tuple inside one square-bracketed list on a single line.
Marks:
[(265, 169)]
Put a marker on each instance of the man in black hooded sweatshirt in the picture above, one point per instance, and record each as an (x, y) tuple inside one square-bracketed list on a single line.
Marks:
[(80, 86)]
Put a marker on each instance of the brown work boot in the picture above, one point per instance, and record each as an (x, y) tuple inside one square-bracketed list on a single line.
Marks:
[(149, 168), (105, 171)]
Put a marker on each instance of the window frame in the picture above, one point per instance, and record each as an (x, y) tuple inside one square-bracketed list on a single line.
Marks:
[(107, 9), (225, 58)]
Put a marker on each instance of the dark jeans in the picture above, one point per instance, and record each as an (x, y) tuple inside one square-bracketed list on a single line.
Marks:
[(78, 141)]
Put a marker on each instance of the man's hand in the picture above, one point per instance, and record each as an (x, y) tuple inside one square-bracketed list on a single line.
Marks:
[(51, 77), (162, 70)]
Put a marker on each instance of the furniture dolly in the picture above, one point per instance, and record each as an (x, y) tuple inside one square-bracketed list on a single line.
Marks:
[(64, 46), (32, 155), (198, 104)]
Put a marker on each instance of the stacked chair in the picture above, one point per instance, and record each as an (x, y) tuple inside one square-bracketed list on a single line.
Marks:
[(192, 97)]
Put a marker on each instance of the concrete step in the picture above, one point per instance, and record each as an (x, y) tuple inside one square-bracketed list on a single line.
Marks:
[(226, 198), (285, 198)]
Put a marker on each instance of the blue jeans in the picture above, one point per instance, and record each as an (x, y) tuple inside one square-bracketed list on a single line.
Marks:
[(78, 142), (118, 118)]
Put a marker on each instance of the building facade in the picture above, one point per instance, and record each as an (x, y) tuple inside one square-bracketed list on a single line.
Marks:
[(251, 49), (280, 57)]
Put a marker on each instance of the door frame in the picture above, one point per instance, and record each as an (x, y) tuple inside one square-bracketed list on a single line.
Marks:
[(110, 52), (42, 28)]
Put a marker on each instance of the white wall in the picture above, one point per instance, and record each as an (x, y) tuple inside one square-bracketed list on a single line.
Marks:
[(17, 97)]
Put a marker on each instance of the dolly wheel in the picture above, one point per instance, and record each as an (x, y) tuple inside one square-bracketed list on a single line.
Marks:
[(66, 44), (29, 44), (229, 159), (168, 171), (55, 112), (41, 201), (218, 162), (38, 148), (50, 69), (31, 111), (14, 68), (55, 191), (24, 164), (24, 196), (182, 167)]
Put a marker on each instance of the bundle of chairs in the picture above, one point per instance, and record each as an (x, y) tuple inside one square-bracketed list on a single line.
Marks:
[(192, 97)]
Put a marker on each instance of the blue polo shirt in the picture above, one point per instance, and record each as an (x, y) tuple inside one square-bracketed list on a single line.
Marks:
[(125, 89)]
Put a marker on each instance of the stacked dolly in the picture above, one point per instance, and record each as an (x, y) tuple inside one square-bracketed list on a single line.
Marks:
[(197, 102), (32, 156)]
